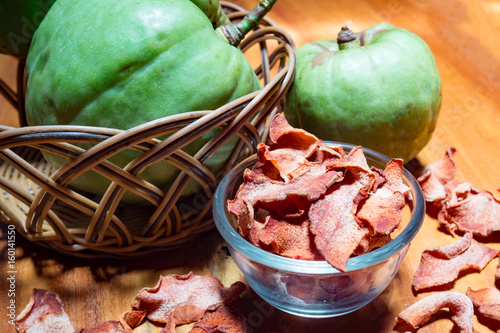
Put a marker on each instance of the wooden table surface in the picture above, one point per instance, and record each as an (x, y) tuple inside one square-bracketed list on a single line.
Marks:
[(463, 35)]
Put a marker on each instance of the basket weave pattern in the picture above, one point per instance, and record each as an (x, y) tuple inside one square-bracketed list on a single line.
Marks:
[(37, 199)]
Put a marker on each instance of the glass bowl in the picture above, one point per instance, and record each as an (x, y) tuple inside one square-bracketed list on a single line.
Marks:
[(314, 288)]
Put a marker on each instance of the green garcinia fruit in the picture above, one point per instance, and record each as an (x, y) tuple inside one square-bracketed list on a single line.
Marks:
[(122, 63), (19, 20), (379, 89)]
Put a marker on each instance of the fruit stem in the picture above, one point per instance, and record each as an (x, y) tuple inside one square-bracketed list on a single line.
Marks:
[(347, 39), (235, 33), (222, 17)]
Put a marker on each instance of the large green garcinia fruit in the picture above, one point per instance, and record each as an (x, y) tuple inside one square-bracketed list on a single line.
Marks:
[(122, 63), (19, 20), (379, 89)]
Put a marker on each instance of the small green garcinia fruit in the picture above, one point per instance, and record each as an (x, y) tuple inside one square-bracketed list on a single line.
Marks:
[(379, 89), (122, 63), (19, 20)]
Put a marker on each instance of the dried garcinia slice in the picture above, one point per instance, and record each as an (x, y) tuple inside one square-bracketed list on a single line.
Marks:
[(222, 320), (434, 176), (487, 301), (281, 198), (183, 299), (333, 223), (462, 207), (289, 147), (44, 313), (459, 304), (469, 209), (441, 265), (292, 238), (132, 319), (381, 210)]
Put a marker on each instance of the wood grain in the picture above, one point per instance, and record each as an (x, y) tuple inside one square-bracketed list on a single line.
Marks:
[(462, 35)]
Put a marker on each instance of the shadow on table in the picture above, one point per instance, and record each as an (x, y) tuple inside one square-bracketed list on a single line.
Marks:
[(375, 317), (48, 263)]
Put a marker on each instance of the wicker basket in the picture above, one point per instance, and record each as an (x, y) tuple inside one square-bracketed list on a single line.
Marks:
[(36, 198)]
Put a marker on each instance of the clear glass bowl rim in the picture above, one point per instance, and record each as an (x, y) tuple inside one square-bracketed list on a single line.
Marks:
[(238, 243)]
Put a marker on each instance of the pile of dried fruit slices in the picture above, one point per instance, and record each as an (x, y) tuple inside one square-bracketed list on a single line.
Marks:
[(307, 200)]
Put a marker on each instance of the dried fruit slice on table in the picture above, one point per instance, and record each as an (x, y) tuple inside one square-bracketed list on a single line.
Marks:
[(462, 207), (183, 299), (469, 209), (433, 177), (441, 265), (44, 313), (487, 301), (222, 320), (459, 304)]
